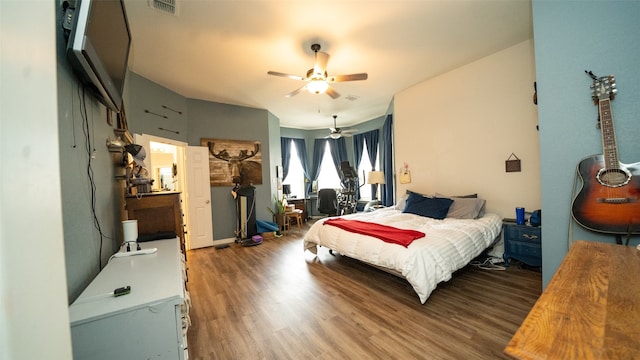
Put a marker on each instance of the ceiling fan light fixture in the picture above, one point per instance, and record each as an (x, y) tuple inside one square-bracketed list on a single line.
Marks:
[(317, 86), (335, 135)]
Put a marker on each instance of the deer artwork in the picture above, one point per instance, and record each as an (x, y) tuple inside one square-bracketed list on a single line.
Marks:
[(242, 170)]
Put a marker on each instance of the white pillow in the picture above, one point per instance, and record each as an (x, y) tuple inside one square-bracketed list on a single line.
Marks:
[(465, 208), (402, 201)]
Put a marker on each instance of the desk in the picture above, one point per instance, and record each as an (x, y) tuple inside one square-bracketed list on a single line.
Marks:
[(589, 310)]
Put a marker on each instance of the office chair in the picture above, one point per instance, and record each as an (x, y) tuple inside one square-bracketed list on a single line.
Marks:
[(328, 202)]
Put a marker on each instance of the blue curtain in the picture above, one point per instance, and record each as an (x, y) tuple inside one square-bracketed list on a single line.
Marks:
[(301, 148), (386, 152), (285, 150), (338, 149), (371, 138), (318, 151), (358, 146)]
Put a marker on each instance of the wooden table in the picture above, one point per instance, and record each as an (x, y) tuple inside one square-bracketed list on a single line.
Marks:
[(590, 310)]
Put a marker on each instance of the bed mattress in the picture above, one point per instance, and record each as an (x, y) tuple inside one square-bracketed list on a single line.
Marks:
[(448, 245)]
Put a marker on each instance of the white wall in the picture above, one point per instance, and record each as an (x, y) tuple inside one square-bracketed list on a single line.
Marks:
[(34, 318), (456, 131)]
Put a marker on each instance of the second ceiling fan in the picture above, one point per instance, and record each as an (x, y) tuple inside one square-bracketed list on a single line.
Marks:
[(317, 77), (337, 133)]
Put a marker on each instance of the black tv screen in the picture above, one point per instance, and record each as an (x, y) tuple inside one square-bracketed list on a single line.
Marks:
[(98, 48)]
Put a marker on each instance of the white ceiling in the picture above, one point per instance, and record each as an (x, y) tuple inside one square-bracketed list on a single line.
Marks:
[(221, 50)]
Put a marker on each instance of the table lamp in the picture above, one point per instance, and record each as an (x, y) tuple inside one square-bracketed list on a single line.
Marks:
[(286, 190), (375, 178)]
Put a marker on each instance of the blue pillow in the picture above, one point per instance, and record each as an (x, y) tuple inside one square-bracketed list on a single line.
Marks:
[(435, 207)]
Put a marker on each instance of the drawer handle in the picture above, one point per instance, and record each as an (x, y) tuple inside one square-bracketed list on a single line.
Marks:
[(531, 237)]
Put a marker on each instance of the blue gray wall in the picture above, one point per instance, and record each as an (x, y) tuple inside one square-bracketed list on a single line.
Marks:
[(86, 247), (222, 121), (570, 37), (180, 119), (155, 110)]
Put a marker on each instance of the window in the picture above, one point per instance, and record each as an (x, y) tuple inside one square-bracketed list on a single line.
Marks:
[(365, 167), (328, 177), (295, 177)]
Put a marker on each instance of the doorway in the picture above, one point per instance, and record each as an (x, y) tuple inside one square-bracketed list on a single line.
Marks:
[(166, 165)]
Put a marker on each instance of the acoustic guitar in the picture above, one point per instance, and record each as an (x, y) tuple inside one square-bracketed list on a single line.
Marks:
[(608, 201)]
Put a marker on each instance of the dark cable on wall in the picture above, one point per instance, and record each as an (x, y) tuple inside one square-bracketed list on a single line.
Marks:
[(93, 135), (73, 121), (90, 148)]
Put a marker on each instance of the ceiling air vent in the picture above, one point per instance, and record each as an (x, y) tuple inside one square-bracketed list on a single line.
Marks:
[(166, 6)]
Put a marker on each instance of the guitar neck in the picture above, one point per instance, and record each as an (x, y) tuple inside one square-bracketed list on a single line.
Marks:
[(609, 147)]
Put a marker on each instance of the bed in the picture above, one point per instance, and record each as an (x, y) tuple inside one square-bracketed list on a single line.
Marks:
[(450, 242)]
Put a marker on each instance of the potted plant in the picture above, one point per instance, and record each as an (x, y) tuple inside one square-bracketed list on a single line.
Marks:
[(279, 209)]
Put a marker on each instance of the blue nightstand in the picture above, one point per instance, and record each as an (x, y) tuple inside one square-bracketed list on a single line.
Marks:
[(522, 242)]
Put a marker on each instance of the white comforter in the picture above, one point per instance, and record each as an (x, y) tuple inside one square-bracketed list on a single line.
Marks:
[(448, 245)]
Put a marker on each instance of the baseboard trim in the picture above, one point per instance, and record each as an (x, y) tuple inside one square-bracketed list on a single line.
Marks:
[(223, 241)]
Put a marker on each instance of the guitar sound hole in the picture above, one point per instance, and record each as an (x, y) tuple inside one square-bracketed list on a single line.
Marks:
[(613, 177)]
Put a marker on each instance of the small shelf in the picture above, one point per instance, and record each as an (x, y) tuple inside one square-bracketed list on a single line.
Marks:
[(124, 135)]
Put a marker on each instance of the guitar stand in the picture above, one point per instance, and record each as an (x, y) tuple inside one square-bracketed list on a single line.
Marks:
[(619, 237)]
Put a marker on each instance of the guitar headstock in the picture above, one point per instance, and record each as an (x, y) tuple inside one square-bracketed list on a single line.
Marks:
[(603, 88)]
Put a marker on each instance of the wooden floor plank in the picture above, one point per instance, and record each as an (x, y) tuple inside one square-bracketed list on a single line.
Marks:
[(274, 301)]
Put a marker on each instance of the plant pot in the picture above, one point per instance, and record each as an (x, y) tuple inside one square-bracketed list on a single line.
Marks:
[(279, 219)]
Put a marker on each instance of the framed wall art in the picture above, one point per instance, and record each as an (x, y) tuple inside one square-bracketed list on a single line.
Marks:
[(234, 162)]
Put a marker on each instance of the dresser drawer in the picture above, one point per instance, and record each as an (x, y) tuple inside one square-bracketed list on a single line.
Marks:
[(522, 233), (523, 249)]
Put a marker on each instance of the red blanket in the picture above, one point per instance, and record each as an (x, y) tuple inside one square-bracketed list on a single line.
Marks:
[(385, 233)]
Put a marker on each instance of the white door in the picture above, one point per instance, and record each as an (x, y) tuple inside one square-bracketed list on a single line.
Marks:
[(199, 220)]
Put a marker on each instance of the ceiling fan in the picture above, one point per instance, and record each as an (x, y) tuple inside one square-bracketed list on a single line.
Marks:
[(337, 133), (317, 77)]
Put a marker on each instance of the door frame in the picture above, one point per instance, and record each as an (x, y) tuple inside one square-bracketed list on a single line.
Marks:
[(144, 140)]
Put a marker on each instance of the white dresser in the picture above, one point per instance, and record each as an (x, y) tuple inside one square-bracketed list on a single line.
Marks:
[(148, 323)]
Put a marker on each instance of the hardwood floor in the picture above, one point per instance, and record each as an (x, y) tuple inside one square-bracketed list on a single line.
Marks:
[(274, 301)]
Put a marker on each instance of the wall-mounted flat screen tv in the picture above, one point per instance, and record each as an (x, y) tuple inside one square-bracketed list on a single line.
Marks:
[(98, 48)]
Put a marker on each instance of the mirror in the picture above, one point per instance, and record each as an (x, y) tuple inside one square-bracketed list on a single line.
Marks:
[(163, 166)]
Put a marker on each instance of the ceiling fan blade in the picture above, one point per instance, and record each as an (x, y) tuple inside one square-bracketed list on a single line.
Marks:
[(334, 94), (351, 77), (294, 77), (349, 131), (296, 91), (333, 136), (321, 63)]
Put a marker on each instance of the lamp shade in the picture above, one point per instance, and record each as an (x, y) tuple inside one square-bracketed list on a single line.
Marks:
[(286, 189), (317, 86), (375, 177), (137, 152)]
